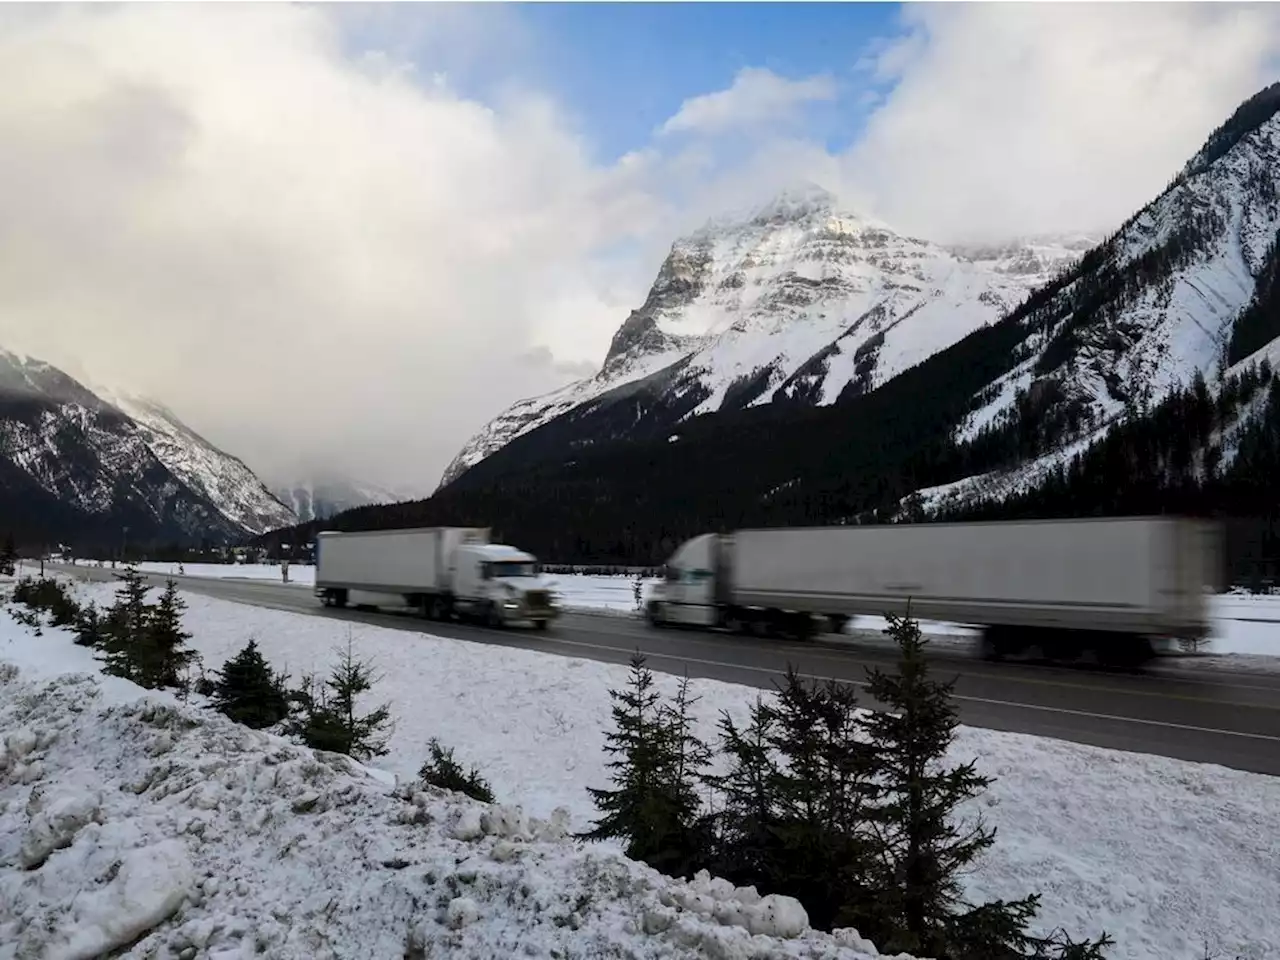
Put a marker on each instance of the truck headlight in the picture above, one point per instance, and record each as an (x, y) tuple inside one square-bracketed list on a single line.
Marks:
[(512, 604)]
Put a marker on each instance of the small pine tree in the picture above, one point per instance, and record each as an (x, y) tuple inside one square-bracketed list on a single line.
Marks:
[(8, 557), (89, 629), (821, 793), (657, 764), (163, 657), (248, 691), (124, 627), (329, 719), (443, 770), (922, 850), (748, 846)]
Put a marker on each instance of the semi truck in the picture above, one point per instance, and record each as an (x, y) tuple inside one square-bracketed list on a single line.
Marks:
[(439, 572), (1107, 589)]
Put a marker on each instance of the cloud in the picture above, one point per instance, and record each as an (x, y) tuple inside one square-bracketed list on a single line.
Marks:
[(312, 257), (1006, 119), (756, 97), (322, 255)]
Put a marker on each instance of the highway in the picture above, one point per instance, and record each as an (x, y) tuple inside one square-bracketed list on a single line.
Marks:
[(1181, 709)]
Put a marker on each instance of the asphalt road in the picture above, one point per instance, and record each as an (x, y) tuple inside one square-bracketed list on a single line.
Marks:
[(1186, 710)]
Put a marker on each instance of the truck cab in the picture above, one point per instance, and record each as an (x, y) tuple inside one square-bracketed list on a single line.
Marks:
[(688, 592), (502, 584)]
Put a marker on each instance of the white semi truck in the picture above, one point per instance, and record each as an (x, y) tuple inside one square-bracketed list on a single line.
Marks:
[(1063, 588), (440, 572)]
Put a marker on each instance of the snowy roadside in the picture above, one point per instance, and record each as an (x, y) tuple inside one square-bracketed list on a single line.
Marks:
[(1169, 857), (151, 829)]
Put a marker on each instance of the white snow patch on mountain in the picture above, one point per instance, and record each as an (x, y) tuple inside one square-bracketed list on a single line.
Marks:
[(800, 295)]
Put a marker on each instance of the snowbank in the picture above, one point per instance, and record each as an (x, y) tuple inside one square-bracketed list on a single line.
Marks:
[(1167, 856), (181, 834)]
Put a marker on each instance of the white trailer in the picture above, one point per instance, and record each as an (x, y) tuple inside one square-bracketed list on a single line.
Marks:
[(1110, 585), (439, 572)]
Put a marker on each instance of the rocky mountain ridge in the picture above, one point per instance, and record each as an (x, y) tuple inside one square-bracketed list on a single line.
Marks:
[(798, 301)]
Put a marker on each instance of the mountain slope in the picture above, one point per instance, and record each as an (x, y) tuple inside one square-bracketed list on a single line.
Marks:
[(1140, 316), (76, 468), (798, 301), (218, 477)]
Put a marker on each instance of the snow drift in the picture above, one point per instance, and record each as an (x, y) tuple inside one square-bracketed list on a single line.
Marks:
[(155, 830)]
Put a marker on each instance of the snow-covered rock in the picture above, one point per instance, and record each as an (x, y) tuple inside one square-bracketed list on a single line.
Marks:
[(202, 850), (799, 299)]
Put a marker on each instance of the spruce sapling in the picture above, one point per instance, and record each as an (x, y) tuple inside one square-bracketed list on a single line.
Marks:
[(656, 763), (248, 691), (124, 626), (443, 770), (821, 794), (923, 850), (330, 721), (163, 656)]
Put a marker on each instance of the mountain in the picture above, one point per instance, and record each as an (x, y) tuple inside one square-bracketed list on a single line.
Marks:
[(219, 477), (797, 301), (1133, 380), (321, 499), (1187, 291), (79, 468)]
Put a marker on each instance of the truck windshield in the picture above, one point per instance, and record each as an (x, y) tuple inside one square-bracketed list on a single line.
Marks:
[(512, 568)]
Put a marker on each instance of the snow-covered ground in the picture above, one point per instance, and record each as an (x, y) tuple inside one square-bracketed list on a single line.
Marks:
[(1244, 624), (143, 828), (1173, 859)]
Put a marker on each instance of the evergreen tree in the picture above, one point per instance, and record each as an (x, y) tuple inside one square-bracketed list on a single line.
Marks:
[(821, 792), (8, 557), (248, 691), (125, 626), (89, 627), (922, 850), (748, 847), (657, 762), (443, 770), (162, 656), (329, 719)]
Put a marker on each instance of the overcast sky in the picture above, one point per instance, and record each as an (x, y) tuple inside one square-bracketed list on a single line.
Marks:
[(343, 238)]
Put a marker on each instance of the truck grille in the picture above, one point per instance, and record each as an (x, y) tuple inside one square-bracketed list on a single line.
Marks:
[(538, 599)]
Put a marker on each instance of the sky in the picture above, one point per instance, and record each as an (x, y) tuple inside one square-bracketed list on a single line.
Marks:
[(337, 239)]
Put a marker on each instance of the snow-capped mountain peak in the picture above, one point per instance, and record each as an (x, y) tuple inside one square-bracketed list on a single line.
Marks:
[(797, 300)]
